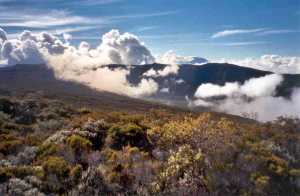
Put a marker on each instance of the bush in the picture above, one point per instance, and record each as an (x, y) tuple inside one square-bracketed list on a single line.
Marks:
[(56, 176), (45, 150), (3, 118), (130, 134), (25, 118), (4, 175), (183, 174), (20, 172), (33, 140), (75, 173), (80, 147), (295, 172), (261, 182), (129, 168), (56, 165), (92, 183), (79, 143), (135, 119), (9, 126), (84, 110), (9, 144), (133, 130), (6, 106), (49, 126)]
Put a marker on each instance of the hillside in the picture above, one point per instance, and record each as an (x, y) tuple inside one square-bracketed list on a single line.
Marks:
[(149, 98), (64, 138), (21, 79), (48, 147)]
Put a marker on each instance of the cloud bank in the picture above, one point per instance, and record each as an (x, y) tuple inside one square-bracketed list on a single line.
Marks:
[(82, 63), (255, 96), (254, 87), (115, 48), (265, 108), (273, 63)]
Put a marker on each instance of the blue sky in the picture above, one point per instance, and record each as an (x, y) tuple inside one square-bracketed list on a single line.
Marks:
[(208, 28)]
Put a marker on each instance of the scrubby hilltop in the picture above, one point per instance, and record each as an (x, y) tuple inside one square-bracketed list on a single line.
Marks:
[(50, 147)]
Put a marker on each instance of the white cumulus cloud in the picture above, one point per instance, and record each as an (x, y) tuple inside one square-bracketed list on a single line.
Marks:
[(170, 57), (83, 63), (125, 48)]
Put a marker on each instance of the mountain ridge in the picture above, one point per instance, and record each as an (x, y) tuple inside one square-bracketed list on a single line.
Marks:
[(40, 77)]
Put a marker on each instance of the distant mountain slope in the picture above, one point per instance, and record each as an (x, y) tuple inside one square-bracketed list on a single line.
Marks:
[(195, 75), (23, 78), (26, 78)]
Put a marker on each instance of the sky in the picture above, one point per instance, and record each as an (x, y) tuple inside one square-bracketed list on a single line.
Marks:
[(210, 29)]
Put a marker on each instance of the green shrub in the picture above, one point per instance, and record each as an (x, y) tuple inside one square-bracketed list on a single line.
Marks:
[(127, 130), (33, 140), (48, 126), (130, 134), (45, 150), (84, 110), (295, 172), (115, 130), (133, 130), (4, 175), (135, 119), (79, 143), (114, 117), (56, 165), (9, 126), (3, 118), (75, 173), (261, 182), (20, 172), (9, 144), (56, 178)]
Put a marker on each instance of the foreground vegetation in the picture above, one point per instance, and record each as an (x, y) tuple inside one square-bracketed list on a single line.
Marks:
[(48, 147)]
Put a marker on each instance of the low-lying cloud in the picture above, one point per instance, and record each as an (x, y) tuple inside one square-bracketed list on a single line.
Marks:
[(254, 96), (255, 87), (169, 69), (265, 108)]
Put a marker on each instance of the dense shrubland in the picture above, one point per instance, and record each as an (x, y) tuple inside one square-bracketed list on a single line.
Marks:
[(48, 147)]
